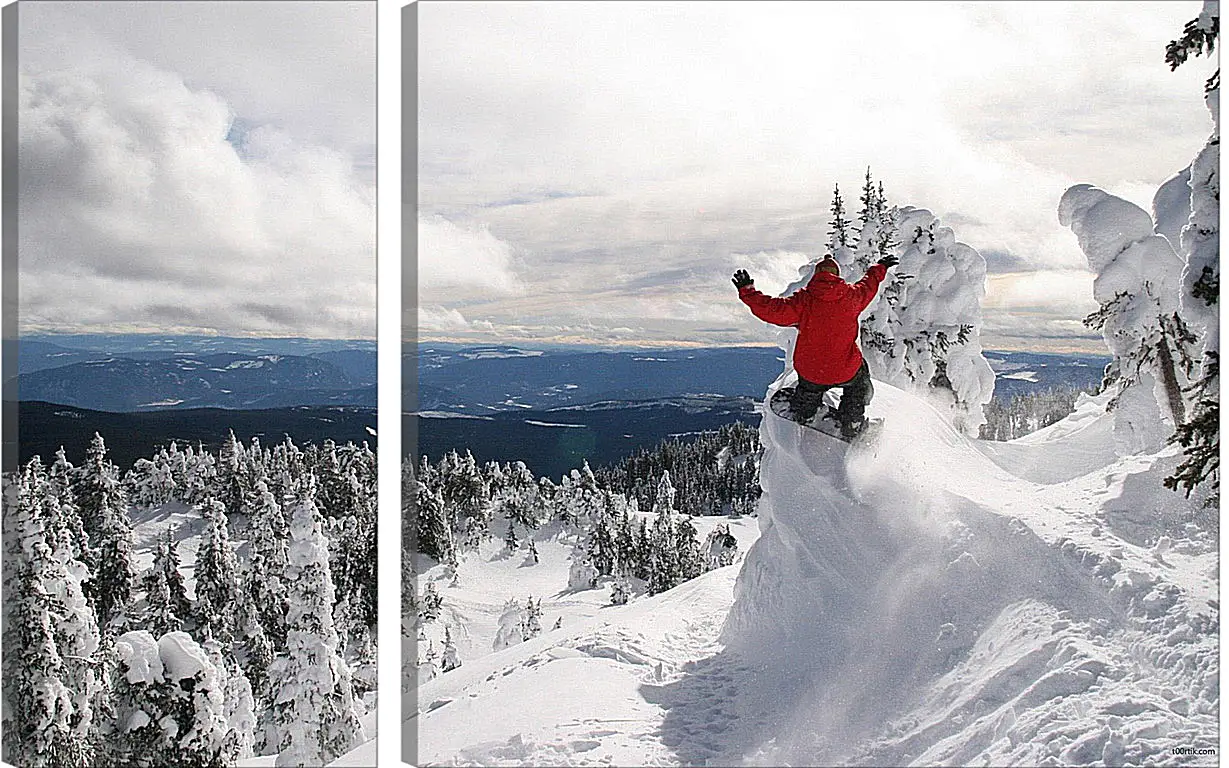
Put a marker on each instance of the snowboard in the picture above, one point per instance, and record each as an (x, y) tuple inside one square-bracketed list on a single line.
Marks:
[(824, 421)]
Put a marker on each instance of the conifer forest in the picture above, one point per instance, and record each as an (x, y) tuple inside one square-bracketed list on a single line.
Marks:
[(198, 609)]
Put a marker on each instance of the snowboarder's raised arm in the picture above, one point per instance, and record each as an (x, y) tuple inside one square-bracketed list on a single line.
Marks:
[(784, 312), (864, 290)]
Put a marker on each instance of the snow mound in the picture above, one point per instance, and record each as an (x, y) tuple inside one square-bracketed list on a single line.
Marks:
[(930, 606)]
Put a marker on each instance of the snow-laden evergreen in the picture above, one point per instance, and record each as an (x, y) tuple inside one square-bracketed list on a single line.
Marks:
[(217, 582), (1199, 244), (1158, 284), (314, 716), (170, 703), (103, 506), (922, 331), (1137, 286), (45, 722), (204, 579)]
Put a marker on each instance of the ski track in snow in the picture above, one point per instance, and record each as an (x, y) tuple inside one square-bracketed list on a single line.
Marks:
[(926, 600)]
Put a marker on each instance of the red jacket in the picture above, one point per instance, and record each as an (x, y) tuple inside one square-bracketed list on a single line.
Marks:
[(825, 313)]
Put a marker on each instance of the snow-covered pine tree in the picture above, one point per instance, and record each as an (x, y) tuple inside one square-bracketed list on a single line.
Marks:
[(838, 235), (266, 565), (1137, 287), (663, 504), (511, 542), (430, 605), (720, 548), (937, 320), (533, 617), (333, 493), (71, 529), (160, 615), (620, 591), (582, 574), (352, 535), (601, 549), (170, 703), (39, 708), (547, 506), (431, 520), (314, 717), (449, 660), (360, 544), (239, 705), (1199, 246), (232, 482), (104, 515), (663, 566), (427, 666), (465, 495), (922, 330), (173, 573), (150, 482), (511, 629), (77, 638), (254, 649), (217, 576), (516, 498), (687, 548), (580, 498), (363, 653), (200, 470), (870, 225)]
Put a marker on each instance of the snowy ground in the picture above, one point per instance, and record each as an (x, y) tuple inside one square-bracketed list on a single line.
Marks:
[(933, 600)]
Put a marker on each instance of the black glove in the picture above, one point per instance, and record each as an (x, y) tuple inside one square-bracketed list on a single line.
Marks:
[(889, 261), (741, 278)]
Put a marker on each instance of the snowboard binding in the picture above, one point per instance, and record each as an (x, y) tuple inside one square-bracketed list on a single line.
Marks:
[(825, 420)]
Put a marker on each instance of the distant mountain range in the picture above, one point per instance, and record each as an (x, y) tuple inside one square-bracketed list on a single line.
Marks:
[(1020, 372), (488, 379), (482, 380), (159, 373), (554, 408), (550, 407), (140, 392)]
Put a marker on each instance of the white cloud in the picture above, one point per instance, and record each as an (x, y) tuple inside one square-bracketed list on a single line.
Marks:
[(457, 261), (614, 144), (441, 319), (1061, 292), (773, 272), (307, 67), (137, 212), (1043, 310)]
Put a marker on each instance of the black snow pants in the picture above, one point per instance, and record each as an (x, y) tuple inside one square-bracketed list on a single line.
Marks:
[(855, 396)]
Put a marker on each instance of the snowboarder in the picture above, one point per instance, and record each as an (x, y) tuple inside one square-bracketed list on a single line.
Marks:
[(826, 354)]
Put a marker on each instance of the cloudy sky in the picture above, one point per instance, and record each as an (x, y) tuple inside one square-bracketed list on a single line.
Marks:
[(198, 167), (593, 172)]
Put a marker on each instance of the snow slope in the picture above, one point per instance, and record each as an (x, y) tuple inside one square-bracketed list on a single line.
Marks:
[(928, 600)]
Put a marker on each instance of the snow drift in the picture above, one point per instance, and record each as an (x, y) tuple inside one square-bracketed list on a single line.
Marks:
[(930, 605)]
